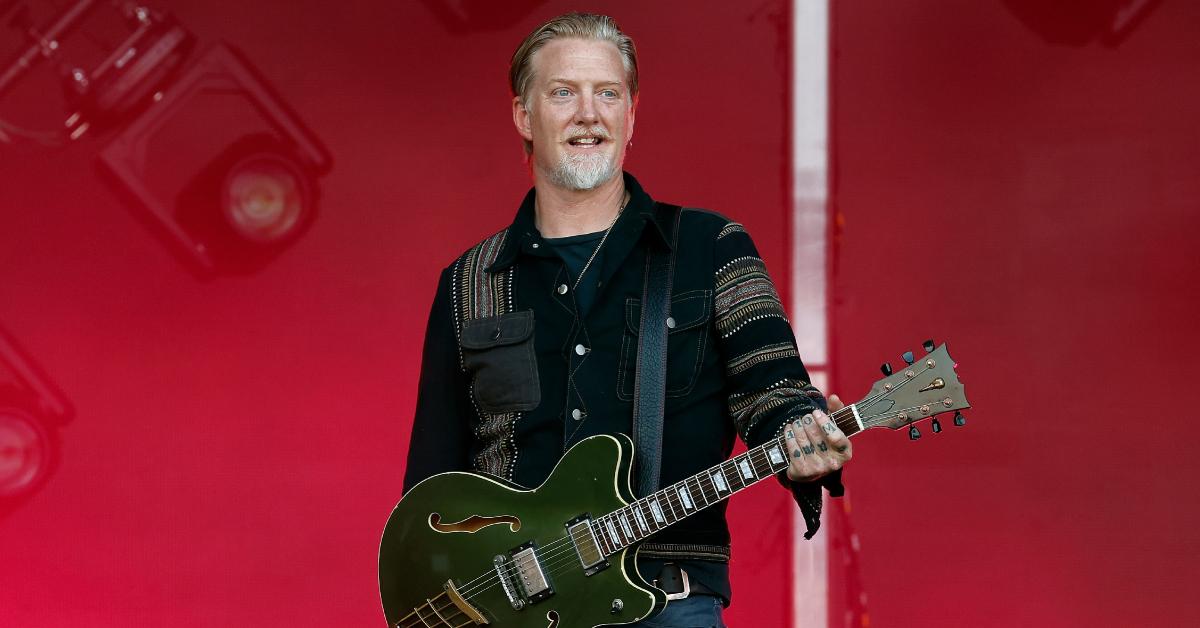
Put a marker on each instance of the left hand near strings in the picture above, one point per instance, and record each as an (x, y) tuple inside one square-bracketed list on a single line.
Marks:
[(817, 446)]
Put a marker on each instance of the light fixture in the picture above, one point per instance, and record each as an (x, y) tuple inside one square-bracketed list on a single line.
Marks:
[(27, 453), (254, 191), (32, 413)]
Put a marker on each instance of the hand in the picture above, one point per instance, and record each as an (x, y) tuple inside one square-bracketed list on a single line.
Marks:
[(817, 446)]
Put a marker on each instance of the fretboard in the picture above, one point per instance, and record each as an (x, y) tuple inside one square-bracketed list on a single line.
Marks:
[(623, 527)]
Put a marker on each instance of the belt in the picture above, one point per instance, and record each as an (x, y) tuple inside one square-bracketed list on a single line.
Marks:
[(675, 583)]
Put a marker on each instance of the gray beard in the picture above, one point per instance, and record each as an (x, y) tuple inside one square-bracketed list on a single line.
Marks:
[(584, 172)]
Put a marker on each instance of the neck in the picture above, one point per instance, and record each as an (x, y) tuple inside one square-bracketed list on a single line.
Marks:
[(561, 212)]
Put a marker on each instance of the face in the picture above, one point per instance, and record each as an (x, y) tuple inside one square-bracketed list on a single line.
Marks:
[(580, 114)]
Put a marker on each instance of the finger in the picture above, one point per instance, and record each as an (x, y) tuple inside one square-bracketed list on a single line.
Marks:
[(837, 439), (816, 434), (835, 403), (827, 425), (806, 463)]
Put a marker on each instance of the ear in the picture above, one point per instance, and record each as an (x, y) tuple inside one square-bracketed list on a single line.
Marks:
[(521, 119), (632, 118)]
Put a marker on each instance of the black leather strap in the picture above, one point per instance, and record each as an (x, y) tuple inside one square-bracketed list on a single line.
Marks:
[(650, 381)]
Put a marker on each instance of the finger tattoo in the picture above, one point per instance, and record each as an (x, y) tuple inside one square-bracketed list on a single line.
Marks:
[(808, 449), (807, 419), (822, 446), (829, 428)]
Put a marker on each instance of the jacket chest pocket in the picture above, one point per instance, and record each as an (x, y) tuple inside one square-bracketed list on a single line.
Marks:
[(498, 354), (686, 343)]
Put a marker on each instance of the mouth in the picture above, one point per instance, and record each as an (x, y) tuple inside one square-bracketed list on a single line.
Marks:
[(586, 141)]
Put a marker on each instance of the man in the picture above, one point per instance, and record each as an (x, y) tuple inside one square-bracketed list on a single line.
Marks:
[(532, 340)]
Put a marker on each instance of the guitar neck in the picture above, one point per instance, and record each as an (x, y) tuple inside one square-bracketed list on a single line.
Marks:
[(624, 527)]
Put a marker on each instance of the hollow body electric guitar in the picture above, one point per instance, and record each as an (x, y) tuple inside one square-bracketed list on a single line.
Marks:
[(462, 549)]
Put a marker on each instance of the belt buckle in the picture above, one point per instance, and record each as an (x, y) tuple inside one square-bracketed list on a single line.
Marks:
[(687, 588)]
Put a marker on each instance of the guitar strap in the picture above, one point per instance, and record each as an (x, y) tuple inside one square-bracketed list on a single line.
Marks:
[(650, 380)]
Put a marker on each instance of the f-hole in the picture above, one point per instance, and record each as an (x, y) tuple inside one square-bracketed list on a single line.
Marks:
[(473, 524)]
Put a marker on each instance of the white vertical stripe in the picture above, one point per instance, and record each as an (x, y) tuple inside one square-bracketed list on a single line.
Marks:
[(810, 158)]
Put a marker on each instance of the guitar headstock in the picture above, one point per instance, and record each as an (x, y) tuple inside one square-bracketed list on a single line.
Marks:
[(924, 388)]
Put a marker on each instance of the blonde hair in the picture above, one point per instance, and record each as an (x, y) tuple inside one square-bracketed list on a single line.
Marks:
[(578, 25)]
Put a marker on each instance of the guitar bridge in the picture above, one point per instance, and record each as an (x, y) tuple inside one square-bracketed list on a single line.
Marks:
[(521, 576)]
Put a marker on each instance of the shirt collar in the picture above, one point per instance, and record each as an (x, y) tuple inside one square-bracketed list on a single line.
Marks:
[(640, 213)]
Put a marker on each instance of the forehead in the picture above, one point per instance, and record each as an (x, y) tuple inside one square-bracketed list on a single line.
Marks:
[(578, 59)]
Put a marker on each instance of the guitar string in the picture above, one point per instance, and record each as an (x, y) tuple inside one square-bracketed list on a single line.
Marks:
[(670, 499), (558, 553), (554, 552), (555, 549), (555, 567)]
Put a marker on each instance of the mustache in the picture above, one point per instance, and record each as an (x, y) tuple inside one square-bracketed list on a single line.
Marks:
[(596, 131)]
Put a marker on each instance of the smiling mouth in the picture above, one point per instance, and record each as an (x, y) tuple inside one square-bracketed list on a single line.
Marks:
[(586, 141)]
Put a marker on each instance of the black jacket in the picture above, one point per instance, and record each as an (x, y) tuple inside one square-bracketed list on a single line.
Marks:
[(508, 397)]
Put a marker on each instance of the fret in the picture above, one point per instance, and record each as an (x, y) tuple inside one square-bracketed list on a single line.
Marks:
[(743, 465), (776, 455), (733, 474), (656, 509), (762, 466), (625, 527), (685, 497), (612, 531), (640, 519), (605, 544), (696, 492), (707, 493), (720, 484), (643, 507), (671, 510)]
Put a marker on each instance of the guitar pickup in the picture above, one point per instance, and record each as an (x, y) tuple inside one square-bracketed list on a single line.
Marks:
[(587, 547), (522, 577)]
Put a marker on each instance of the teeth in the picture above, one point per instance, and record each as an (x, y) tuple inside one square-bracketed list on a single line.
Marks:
[(587, 141)]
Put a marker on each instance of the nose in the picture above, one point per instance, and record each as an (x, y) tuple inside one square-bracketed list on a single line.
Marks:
[(586, 112)]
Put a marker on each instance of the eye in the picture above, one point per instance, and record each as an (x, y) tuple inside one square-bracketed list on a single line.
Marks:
[(562, 91), (608, 93)]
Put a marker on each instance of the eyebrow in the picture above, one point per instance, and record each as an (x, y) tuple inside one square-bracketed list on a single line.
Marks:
[(570, 82)]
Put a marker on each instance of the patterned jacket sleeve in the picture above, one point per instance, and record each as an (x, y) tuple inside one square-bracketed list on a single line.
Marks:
[(767, 384), (440, 439)]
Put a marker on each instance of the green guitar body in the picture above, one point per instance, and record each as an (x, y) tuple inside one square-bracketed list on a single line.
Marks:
[(419, 553)]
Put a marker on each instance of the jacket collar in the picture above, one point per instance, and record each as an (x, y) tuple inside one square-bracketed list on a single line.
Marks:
[(641, 214)]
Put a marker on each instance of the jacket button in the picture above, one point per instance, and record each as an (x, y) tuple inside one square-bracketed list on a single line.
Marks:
[(577, 414), (534, 245), (670, 322), (562, 288), (580, 349)]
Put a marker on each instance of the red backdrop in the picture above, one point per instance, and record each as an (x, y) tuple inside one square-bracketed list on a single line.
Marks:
[(1036, 206), (239, 442)]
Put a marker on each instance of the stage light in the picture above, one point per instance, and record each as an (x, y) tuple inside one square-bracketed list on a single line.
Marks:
[(264, 198), (27, 453), (210, 154), (32, 413), (246, 203)]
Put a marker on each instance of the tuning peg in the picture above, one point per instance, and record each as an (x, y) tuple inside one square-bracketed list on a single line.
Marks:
[(937, 426), (959, 419), (907, 357), (928, 344), (913, 433), (886, 367)]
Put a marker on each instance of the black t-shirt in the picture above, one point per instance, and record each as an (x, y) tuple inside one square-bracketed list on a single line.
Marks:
[(575, 251)]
